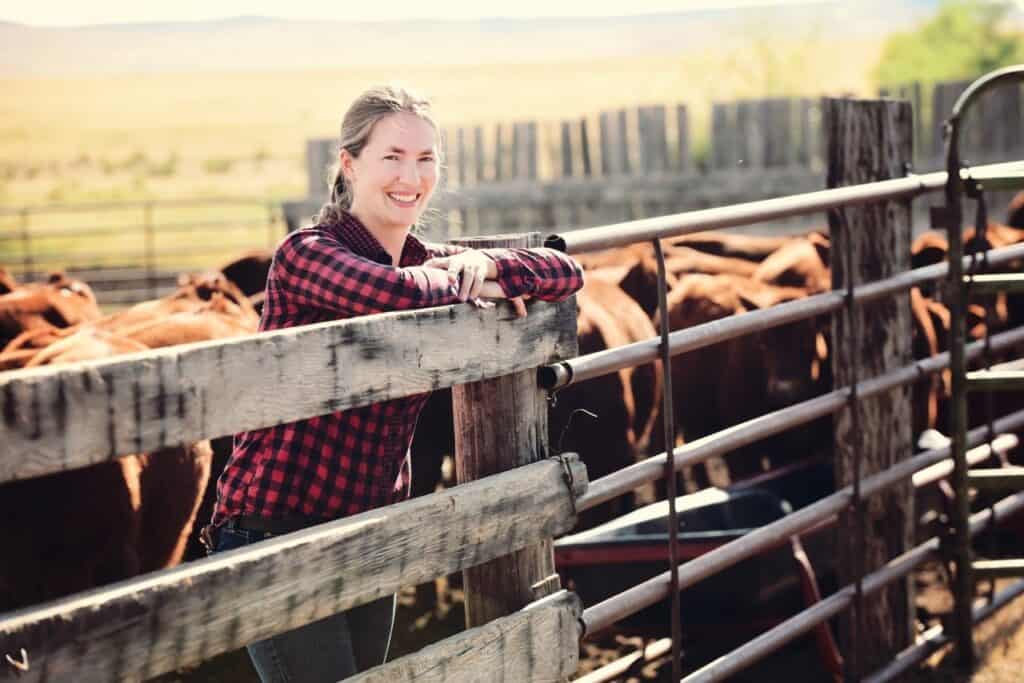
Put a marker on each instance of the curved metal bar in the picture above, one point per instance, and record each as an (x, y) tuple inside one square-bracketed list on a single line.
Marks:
[(952, 218), (1008, 74)]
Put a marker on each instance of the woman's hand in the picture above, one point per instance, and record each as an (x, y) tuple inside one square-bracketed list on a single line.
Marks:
[(469, 269), (492, 290)]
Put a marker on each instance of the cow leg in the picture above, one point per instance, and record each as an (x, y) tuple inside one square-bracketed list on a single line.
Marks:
[(172, 482)]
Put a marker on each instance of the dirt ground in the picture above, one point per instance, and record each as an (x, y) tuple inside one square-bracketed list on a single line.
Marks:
[(999, 642)]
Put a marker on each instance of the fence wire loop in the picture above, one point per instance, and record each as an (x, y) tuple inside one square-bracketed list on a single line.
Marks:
[(20, 664), (568, 424)]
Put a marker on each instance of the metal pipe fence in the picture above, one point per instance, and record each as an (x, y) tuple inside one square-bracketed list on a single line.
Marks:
[(773, 639), (153, 240), (647, 593), (936, 638), (699, 450), (699, 336), (677, 225), (607, 612)]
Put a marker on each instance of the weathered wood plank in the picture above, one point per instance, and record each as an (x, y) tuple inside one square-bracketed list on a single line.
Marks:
[(750, 140), (607, 132), (870, 141), (539, 644), (653, 140), (588, 167), (319, 156), (723, 137), (805, 140), (565, 148), (682, 139), (623, 142), (515, 433), (65, 417), (461, 160), (141, 628), (778, 132), (479, 156), (500, 153)]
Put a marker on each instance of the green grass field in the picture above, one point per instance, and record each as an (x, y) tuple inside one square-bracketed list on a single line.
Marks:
[(203, 135)]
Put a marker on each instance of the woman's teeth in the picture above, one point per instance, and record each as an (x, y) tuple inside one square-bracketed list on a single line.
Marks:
[(403, 198)]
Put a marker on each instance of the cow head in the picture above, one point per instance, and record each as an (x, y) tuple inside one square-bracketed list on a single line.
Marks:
[(793, 358)]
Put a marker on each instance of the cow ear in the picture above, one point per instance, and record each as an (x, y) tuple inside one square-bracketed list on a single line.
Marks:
[(822, 246)]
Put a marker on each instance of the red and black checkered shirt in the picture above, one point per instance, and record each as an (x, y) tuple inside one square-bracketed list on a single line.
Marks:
[(354, 460)]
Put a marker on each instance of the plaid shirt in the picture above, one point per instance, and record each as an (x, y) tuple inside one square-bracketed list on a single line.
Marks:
[(354, 460)]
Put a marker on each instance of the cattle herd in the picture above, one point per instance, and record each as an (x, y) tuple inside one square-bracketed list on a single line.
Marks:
[(77, 529)]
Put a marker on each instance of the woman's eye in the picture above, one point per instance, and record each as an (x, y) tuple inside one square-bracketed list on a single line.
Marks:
[(392, 157), (426, 158)]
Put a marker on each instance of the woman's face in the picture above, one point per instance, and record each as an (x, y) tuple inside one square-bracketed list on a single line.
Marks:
[(394, 176)]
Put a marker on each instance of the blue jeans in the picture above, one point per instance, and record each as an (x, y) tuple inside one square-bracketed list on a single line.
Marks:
[(327, 650)]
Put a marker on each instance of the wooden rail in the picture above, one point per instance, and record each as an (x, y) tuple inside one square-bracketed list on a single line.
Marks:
[(540, 644), (146, 626), (66, 417)]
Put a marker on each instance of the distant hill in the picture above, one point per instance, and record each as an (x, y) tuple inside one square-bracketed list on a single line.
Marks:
[(260, 43)]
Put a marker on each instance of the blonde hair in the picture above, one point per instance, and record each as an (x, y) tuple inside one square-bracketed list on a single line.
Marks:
[(369, 108)]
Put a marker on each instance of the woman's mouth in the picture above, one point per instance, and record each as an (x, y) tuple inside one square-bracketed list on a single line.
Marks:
[(405, 200)]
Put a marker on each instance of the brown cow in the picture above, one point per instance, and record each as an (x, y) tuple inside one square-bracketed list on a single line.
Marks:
[(802, 262), (627, 402), (59, 302), (249, 271), (721, 385), (77, 529), (637, 273), (749, 247)]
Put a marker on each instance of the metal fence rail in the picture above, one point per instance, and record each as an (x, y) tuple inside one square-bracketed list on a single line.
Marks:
[(699, 450), (676, 225), (647, 593), (775, 638), (157, 238)]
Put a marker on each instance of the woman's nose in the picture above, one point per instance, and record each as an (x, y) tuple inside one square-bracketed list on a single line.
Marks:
[(409, 173)]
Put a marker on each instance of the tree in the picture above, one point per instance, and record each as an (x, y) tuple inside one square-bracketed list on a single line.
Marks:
[(965, 39)]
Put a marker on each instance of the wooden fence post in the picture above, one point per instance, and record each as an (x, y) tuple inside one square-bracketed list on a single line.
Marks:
[(870, 141), (500, 424)]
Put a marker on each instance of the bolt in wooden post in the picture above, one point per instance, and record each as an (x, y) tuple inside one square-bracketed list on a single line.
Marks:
[(870, 141), (500, 424)]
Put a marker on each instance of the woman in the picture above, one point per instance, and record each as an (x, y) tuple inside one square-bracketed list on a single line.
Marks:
[(360, 258)]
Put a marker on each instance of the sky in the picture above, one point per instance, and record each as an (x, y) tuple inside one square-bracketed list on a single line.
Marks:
[(77, 12)]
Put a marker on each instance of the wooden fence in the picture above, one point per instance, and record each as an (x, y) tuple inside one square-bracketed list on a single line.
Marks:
[(63, 418), (633, 163)]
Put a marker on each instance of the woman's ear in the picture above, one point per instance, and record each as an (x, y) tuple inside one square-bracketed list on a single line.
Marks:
[(347, 166)]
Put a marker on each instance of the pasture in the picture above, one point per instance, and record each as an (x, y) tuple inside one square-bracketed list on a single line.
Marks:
[(243, 134)]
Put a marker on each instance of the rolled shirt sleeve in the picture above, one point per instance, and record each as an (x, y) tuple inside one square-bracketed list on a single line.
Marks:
[(538, 272), (542, 273), (319, 271)]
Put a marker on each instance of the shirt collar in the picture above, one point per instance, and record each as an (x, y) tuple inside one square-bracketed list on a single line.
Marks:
[(351, 232)]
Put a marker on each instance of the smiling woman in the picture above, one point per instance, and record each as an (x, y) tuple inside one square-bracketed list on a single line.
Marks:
[(360, 258)]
